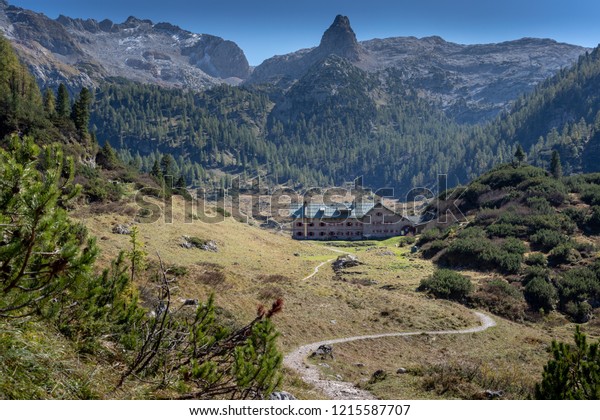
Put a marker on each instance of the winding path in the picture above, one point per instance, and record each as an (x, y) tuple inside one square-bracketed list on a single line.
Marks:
[(316, 270), (339, 390)]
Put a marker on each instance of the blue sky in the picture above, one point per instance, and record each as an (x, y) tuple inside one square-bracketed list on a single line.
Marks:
[(266, 28)]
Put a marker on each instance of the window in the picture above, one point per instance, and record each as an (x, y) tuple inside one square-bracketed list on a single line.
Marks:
[(299, 224), (298, 233), (358, 233), (311, 234), (331, 233), (321, 233), (349, 224), (379, 213), (311, 224), (321, 224)]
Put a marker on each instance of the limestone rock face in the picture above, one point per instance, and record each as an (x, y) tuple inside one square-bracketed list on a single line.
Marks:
[(82, 52), (340, 40), (472, 83)]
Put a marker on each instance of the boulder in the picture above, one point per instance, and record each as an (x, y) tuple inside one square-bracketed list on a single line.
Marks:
[(324, 351), (186, 243), (210, 246), (378, 376), (281, 395), (490, 394), (345, 261), (121, 230), (401, 371), (271, 224), (190, 302), (193, 242)]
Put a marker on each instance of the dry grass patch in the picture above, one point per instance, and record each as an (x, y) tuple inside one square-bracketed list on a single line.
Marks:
[(508, 358)]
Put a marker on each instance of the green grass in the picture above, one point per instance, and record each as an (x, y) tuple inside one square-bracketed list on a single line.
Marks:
[(320, 258), (36, 363)]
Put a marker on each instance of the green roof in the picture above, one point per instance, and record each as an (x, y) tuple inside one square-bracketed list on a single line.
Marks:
[(323, 211)]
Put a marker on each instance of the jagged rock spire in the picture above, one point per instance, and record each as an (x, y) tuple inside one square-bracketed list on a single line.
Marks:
[(340, 39)]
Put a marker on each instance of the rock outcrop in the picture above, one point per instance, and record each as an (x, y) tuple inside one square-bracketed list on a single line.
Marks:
[(472, 83), (84, 52), (345, 261), (281, 395)]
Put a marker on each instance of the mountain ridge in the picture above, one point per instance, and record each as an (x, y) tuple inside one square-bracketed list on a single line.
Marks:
[(82, 52), (472, 83)]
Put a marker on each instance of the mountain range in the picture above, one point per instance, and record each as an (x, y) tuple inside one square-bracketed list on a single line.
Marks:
[(86, 52), (472, 83), (397, 111)]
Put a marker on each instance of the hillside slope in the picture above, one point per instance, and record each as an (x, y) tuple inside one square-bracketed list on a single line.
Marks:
[(563, 113), (539, 232)]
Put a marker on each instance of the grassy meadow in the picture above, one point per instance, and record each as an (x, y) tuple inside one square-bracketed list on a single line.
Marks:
[(255, 266)]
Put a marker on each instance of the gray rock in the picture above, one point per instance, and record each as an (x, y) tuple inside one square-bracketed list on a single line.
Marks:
[(210, 246), (189, 243), (490, 394), (474, 82), (281, 395), (401, 371), (121, 230), (271, 224), (84, 52), (186, 243), (324, 351), (190, 302), (345, 261), (378, 376)]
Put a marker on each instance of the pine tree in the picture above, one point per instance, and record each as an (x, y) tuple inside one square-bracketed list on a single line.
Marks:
[(573, 373), (80, 113), (20, 98), (106, 157), (555, 165), (180, 184), (43, 253), (519, 154), (63, 102), (49, 103), (137, 255), (166, 165), (155, 171)]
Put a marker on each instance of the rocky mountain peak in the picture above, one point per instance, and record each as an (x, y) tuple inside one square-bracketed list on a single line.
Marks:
[(134, 23), (3, 4), (340, 39)]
